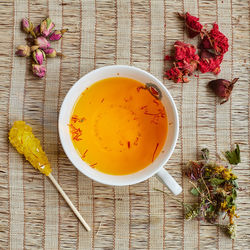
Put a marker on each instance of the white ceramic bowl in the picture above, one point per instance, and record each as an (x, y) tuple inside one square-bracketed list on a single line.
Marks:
[(155, 167)]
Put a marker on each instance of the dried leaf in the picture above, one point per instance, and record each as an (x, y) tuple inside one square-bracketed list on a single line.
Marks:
[(194, 191), (216, 181), (233, 156)]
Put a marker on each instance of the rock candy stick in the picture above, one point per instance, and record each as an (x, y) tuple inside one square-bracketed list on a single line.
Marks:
[(22, 138)]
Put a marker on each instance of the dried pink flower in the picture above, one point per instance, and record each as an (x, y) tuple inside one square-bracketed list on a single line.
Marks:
[(42, 42), (50, 52), (23, 50), (38, 70), (46, 27), (39, 56), (57, 34)]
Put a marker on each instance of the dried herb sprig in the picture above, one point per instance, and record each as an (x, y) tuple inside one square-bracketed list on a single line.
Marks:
[(216, 187)]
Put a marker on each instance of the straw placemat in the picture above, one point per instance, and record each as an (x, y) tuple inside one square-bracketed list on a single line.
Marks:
[(106, 32)]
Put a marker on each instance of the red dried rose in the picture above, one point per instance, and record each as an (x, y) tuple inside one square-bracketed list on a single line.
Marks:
[(184, 51), (185, 62), (215, 40), (212, 47), (194, 27), (211, 64)]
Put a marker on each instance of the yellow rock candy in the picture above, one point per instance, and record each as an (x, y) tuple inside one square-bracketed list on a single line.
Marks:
[(22, 138)]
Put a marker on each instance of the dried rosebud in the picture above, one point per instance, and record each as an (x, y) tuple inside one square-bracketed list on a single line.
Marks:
[(37, 30), (46, 27), (57, 34), (38, 56), (194, 27), (38, 70), (42, 42), (27, 25), (34, 47), (50, 52), (23, 50), (222, 88)]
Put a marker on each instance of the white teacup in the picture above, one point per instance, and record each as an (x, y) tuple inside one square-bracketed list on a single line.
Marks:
[(156, 167)]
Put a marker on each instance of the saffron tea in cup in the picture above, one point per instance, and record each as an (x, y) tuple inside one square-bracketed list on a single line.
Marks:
[(119, 125)]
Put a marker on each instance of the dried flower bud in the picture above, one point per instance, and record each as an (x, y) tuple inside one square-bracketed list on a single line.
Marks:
[(37, 30), (215, 40), (34, 47), (57, 34), (23, 50), (46, 27), (42, 42), (222, 88), (50, 52), (38, 70), (27, 25), (194, 27), (38, 56)]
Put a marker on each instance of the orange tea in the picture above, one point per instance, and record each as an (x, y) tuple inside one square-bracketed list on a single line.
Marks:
[(118, 126)]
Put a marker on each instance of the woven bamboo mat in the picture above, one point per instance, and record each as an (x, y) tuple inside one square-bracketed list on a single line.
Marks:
[(106, 32)]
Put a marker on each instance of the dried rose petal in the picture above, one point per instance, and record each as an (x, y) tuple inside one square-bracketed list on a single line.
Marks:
[(23, 50), (39, 70), (176, 75), (222, 88), (168, 58)]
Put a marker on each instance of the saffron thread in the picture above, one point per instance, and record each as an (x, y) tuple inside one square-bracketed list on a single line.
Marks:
[(155, 151)]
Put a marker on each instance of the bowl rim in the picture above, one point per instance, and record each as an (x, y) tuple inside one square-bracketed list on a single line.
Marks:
[(167, 155)]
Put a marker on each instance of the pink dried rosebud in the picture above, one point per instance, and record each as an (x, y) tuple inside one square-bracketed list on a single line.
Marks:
[(50, 52), (27, 25), (57, 34), (222, 88), (42, 42), (38, 70), (46, 27), (38, 56), (23, 50)]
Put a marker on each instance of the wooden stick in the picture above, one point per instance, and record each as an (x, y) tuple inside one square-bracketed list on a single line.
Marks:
[(66, 198)]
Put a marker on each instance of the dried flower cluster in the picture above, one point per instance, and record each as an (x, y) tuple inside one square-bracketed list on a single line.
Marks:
[(216, 186), (212, 47), (39, 47)]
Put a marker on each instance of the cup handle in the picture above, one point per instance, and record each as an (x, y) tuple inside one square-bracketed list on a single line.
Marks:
[(164, 177)]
